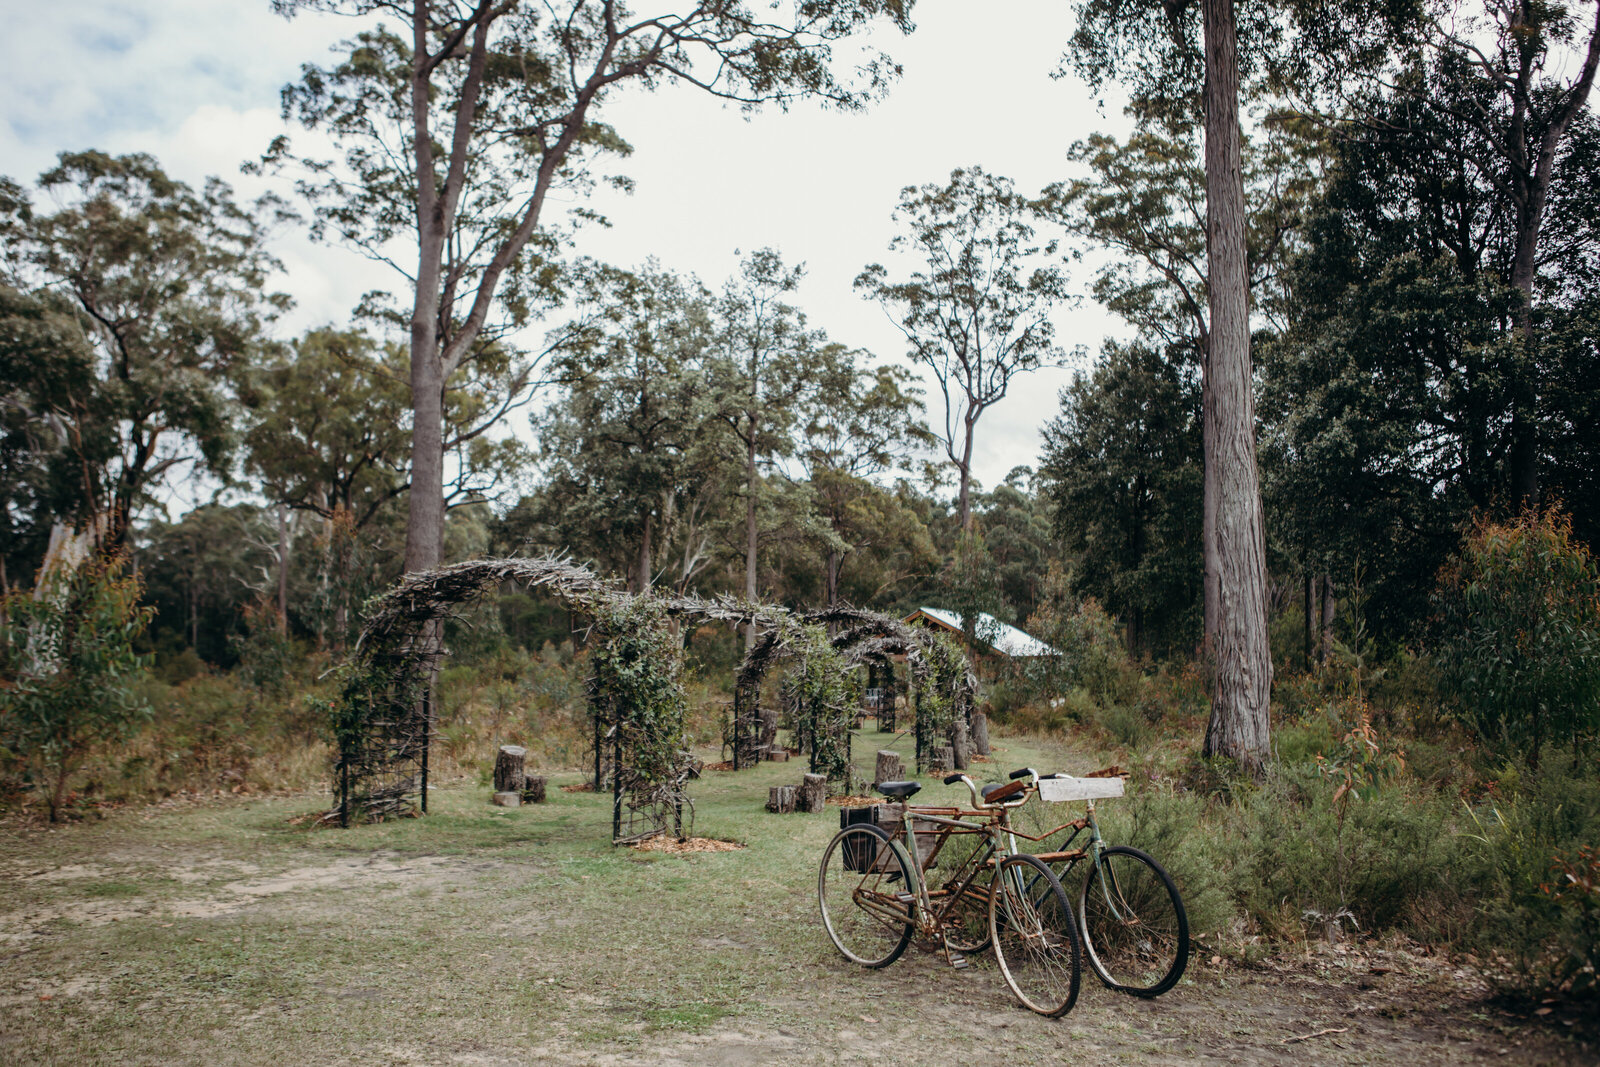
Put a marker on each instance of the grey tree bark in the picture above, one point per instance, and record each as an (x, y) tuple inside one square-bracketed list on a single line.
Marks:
[(1242, 688)]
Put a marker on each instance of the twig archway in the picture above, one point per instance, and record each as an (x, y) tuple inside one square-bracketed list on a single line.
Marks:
[(384, 717)]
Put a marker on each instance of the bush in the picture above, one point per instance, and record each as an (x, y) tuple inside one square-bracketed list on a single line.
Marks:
[(1519, 653), (1377, 863), (1531, 849), (69, 667)]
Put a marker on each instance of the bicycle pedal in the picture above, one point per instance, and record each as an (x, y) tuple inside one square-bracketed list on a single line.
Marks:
[(959, 962)]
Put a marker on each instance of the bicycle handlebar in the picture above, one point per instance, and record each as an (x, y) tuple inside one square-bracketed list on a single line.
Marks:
[(993, 800), (1023, 773)]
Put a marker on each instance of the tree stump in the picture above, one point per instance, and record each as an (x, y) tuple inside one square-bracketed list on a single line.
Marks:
[(778, 754), (960, 745), (813, 792), (980, 733), (507, 800), (941, 758), (780, 799), (508, 772), (888, 768), (533, 788)]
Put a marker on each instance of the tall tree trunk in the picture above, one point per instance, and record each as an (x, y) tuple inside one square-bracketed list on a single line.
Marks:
[(830, 576), (643, 582), (1243, 674), (1330, 605), (750, 528), (283, 569), (1208, 511)]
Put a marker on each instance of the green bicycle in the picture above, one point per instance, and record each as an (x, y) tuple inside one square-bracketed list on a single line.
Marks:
[(1131, 917)]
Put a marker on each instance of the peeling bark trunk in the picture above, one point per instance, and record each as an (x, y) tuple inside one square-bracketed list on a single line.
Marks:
[(1329, 606), (283, 569), (1243, 674)]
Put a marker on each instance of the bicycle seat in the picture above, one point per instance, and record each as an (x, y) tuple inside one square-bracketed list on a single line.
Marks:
[(984, 791), (899, 790)]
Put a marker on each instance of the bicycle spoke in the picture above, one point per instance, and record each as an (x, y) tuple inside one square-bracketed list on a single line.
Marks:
[(1035, 936), (860, 890), (1135, 931)]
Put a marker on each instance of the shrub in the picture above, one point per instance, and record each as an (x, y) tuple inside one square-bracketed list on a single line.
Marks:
[(1519, 653), (70, 669), (1531, 853), (1090, 652), (1322, 857)]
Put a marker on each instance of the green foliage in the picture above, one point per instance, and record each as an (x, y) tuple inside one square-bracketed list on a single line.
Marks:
[(1122, 471), (266, 653), (1384, 863), (824, 690), (636, 685), (979, 313), (1531, 846), (972, 589), (326, 427), (170, 282), (1090, 652), (70, 668), (1519, 647)]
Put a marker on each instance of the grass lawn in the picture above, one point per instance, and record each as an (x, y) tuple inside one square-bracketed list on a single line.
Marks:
[(219, 933)]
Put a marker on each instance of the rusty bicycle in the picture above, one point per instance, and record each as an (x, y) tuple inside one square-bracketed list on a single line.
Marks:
[(875, 897)]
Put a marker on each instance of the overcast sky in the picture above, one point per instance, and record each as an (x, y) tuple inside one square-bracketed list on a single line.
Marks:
[(195, 83)]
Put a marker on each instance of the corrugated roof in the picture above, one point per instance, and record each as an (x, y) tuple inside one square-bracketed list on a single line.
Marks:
[(1003, 637)]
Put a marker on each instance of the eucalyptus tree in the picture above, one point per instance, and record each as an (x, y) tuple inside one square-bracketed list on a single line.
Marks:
[(860, 424), (978, 315), (1498, 87), (455, 130), (1182, 65), (46, 366), (1144, 198), (765, 363), (1390, 404), (326, 425), (167, 291), (625, 446)]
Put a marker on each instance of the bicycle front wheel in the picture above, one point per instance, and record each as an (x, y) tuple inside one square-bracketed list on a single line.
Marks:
[(1035, 935), (1135, 931), (864, 890)]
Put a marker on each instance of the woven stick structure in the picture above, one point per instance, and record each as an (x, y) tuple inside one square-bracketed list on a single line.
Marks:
[(384, 723)]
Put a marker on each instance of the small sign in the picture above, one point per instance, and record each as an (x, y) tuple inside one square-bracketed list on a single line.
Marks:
[(1060, 790)]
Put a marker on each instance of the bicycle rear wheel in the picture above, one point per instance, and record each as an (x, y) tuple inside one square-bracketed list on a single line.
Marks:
[(864, 891), (1135, 931), (1035, 935)]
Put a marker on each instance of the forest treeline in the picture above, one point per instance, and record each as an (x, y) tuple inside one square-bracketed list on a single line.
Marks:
[(715, 439), (1349, 435)]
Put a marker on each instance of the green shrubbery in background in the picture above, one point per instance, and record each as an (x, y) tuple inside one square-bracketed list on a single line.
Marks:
[(70, 668), (1519, 633)]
